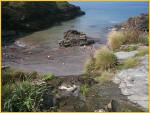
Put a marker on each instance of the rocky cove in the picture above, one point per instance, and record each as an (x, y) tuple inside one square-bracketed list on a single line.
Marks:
[(66, 92), (71, 89)]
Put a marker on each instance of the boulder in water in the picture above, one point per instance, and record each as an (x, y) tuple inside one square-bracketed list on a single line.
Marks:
[(75, 38)]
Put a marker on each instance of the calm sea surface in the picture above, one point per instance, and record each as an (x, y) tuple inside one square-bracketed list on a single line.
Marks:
[(99, 17)]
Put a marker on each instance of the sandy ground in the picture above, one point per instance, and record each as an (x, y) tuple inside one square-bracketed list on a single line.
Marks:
[(60, 61)]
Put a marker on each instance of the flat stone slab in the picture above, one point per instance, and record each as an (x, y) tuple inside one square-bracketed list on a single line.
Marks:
[(134, 83), (125, 55)]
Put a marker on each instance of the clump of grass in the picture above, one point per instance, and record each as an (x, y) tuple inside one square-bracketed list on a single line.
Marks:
[(21, 96), (105, 59), (105, 76), (133, 48), (48, 76), (143, 51), (115, 40), (120, 66), (85, 89), (144, 40), (90, 67), (131, 62), (131, 36), (6, 91), (10, 75)]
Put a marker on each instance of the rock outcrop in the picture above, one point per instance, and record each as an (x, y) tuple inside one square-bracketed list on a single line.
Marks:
[(26, 17), (134, 83), (122, 56), (138, 23), (75, 38)]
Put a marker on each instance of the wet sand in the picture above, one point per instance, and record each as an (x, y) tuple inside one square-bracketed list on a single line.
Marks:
[(60, 61)]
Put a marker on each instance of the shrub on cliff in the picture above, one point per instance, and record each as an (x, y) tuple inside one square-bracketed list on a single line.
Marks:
[(115, 40), (132, 36), (104, 59)]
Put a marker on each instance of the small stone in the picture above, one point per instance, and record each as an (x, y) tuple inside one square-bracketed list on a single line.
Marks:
[(30, 52)]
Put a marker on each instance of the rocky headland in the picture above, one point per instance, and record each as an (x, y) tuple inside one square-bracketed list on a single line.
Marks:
[(138, 23), (27, 17), (108, 82)]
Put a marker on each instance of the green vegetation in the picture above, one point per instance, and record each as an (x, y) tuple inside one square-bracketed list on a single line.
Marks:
[(85, 89), (48, 76), (27, 17), (132, 62), (143, 51), (105, 76), (104, 63), (10, 75), (120, 66), (132, 48), (90, 67), (129, 48), (21, 96), (105, 59), (144, 40), (115, 40), (18, 92), (131, 36)]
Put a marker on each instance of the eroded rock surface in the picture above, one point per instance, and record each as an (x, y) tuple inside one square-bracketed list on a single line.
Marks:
[(134, 83), (75, 38)]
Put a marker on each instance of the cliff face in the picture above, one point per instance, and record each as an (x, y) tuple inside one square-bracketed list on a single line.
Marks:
[(33, 16), (139, 23)]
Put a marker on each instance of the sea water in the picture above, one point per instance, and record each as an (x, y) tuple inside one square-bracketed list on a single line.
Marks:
[(100, 16)]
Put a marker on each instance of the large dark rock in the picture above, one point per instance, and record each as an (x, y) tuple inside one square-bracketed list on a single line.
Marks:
[(32, 16), (137, 23), (27, 17), (75, 38)]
